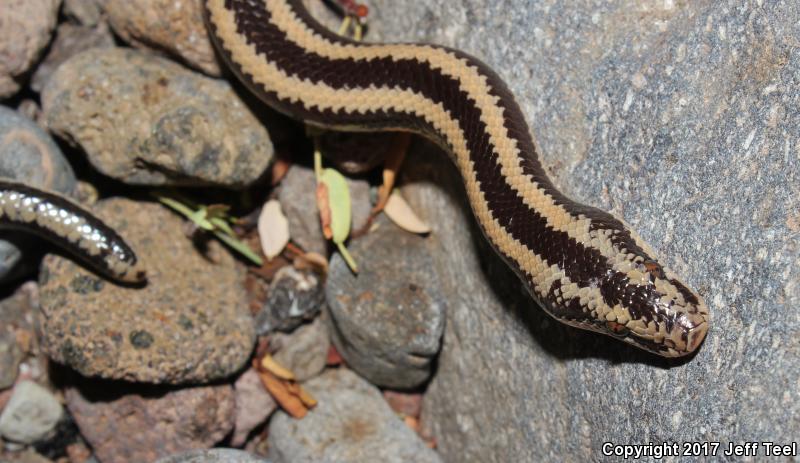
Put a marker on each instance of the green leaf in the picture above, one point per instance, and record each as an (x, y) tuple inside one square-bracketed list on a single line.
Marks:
[(339, 201)]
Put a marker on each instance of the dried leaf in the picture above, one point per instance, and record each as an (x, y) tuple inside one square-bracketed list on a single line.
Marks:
[(278, 389), (273, 229), (323, 204), (279, 170), (403, 216), (269, 364)]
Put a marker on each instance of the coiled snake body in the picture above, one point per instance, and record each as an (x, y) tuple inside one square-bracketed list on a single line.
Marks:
[(585, 267)]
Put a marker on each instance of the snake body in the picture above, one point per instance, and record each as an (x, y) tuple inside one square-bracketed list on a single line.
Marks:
[(585, 267), (71, 227)]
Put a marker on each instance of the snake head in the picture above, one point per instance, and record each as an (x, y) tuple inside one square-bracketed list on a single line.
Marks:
[(653, 310)]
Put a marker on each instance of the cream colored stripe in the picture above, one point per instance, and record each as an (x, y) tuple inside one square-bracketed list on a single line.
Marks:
[(371, 99), (477, 88)]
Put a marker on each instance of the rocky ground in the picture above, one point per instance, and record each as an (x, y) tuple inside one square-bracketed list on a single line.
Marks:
[(681, 117)]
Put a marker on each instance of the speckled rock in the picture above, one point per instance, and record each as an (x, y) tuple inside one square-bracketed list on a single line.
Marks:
[(214, 456), (304, 351), (253, 406), (189, 324), (175, 27), (30, 415), (140, 424), (352, 422), (680, 116), (70, 40), (29, 155), (10, 357), (83, 12), (25, 29), (144, 119), (297, 195), (24, 456), (294, 296), (387, 320)]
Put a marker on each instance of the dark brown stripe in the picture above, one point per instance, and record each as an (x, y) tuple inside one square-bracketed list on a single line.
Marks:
[(583, 265)]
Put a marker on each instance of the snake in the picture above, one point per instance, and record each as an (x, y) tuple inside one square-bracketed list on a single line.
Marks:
[(72, 227), (583, 266)]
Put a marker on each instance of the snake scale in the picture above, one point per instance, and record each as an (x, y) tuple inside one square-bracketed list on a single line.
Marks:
[(585, 267)]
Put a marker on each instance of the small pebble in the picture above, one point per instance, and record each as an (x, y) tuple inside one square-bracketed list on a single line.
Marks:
[(30, 415), (133, 423), (294, 296), (351, 422), (304, 351), (387, 320), (253, 406), (218, 455)]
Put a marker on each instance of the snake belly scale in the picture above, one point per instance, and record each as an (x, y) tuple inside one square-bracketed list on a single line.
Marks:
[(585, 267), (59, 220)]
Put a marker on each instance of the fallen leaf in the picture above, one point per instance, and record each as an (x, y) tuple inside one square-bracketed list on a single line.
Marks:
[(279, 170), (334, 358), (282, 395), (273, 229), (398, 210), (324, 206), (391, 166), (338, 199), (269, 364)]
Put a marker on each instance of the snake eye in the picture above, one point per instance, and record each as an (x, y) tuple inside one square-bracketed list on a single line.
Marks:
[(617, 329)]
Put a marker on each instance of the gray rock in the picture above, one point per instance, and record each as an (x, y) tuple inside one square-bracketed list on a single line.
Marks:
[(30, 415), (176, 28), (253, 406), (190, 323), (29, 155), (351, 423), (387, 320), (214, 456), (26, 29), (680, 116), (134, 423), (144, 119), (297, 195), (70, 40), (294, 297), (10, 357), (84, 12), (303, 351)]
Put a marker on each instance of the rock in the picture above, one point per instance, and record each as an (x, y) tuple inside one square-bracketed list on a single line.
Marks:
[(682, 118), (404, 403), (303, 351), (190, 323), (351, 422), (294, 296), (10, 357), (297, 195), (84, 12), (218, 455), (387, 320), (30, 415), (140, 423), (253, 406), (25, 28), (70, 40), (356, 153), (146, 120), (176, 28), (214, 456), (25, 456), (29, 155)]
